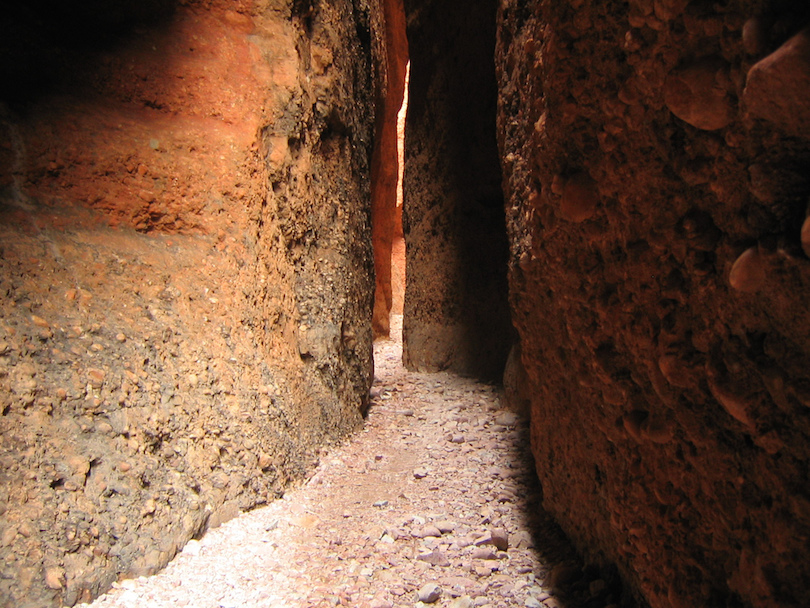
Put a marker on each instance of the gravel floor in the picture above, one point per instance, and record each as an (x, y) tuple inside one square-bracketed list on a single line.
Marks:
[(429, 503)]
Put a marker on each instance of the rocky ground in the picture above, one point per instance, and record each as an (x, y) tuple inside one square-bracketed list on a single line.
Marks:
[(428, 504)]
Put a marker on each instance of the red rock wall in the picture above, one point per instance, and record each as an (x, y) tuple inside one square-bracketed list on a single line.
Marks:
[(185, 270), (656, 160), (456, 314)]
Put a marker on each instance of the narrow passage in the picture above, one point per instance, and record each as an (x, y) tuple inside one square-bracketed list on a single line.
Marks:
[(430, 499)]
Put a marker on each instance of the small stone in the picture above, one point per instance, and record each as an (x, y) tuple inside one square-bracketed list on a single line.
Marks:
[(120, 337), (420, 473), (54, 578), (532, 603), (96, 377), (124, 467), (380, 504), (579, 198), (9, 534), (524, 540), (506, 419), (748, 272), (149, 507), (429, 593), (457, 439), (483, 553), (428, 532), (434, 558), (446, 526), (500, 538), (465, 601), (39, 321)]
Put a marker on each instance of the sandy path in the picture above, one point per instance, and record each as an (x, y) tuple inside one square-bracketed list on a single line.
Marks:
[(423, 494)]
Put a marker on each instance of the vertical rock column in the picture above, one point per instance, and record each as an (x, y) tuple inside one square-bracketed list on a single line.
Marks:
[(384, 163), (456, 313)]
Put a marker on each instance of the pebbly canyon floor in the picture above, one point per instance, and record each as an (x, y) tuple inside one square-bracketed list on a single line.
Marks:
[(433, 502)]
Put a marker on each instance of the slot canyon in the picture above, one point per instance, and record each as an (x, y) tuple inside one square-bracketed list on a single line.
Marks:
[(604, 223)]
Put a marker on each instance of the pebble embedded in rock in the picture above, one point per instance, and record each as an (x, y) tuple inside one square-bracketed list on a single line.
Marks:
[(753, 36), (579, 198), (429, 593), (748, 271), (805, 237), (54, 578), (697, 94)]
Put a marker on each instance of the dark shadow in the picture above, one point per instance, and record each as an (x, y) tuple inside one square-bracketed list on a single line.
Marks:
[(574, 583), (44, 43)]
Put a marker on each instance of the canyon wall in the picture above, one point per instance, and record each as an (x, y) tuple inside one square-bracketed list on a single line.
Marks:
[(456, 309), (185, 269), (655, 161)]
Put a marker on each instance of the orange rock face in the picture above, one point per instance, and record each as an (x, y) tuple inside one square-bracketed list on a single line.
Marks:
[(186, 273), (385, 162)]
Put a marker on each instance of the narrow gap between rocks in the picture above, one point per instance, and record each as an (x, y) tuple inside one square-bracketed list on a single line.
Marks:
[(398, 251), (434, 502)]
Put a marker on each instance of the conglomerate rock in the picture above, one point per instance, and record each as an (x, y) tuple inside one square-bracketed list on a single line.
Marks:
[(661, 303), (185, 270)]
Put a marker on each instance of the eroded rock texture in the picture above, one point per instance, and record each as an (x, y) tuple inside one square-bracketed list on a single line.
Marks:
[(656, 160), (185, 270), (456, 313)]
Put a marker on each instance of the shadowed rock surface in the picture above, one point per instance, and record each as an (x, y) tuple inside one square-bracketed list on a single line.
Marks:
[(456, 313), (661, 309)]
